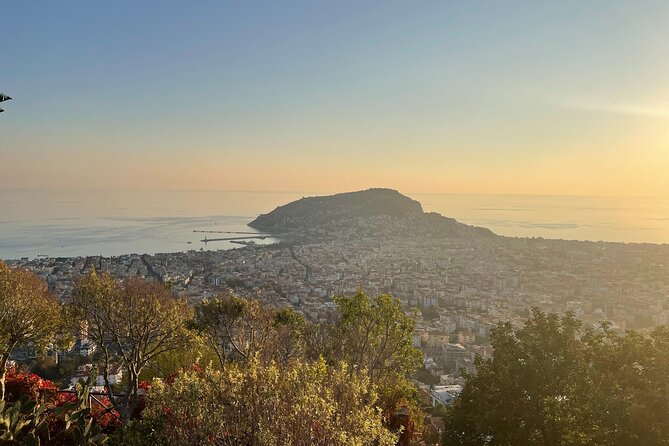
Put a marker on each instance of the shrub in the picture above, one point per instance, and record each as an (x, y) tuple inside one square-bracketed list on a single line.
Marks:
[(305, 403)]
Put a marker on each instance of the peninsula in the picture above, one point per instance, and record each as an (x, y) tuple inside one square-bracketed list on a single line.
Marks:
[(463, 277), (371, 212)]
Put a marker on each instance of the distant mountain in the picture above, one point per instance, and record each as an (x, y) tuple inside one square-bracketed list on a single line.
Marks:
[(317, 211), (352, 208)]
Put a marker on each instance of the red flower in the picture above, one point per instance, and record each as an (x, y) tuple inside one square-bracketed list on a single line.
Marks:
[(19, 383)]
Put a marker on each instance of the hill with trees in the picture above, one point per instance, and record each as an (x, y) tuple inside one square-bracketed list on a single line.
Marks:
[(314, 211), (355, 210)]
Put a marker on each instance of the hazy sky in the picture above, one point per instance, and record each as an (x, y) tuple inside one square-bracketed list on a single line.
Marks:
[(559, 97)]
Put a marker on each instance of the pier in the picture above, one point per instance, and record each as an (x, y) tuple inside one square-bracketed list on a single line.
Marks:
[(231, 232), (259, 237)]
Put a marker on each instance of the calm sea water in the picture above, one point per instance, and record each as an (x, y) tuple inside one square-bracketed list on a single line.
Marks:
[(71, 223), (618, 219)]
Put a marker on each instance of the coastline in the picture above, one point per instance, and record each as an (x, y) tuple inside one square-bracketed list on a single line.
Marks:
[(69, 224)]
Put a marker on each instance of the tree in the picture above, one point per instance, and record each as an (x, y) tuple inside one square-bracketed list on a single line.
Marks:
[(303, 403), (168, 364), (629, 395), (239, 328), (131, 323), (554, 383), (424, 376), (530, 392), (288, 341), (217, 321), (374, 334), (30, 316)]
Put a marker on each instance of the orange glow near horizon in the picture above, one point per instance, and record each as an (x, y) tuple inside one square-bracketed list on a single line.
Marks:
[(560, 98)]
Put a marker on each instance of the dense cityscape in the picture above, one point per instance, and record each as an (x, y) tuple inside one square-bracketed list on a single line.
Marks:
[(458, 284)]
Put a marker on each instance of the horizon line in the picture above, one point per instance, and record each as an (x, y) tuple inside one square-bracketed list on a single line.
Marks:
[(319, 193)]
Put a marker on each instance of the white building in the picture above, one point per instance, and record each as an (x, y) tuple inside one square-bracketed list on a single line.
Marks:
[(87, 347), (114, 373), (445, 395)]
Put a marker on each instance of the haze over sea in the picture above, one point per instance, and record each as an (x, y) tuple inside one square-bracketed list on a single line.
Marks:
[(105, 222)]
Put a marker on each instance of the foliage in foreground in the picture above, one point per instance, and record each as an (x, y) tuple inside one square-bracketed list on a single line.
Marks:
[(39, 419), (30, 316), (371, 334), (131, 323), (554, 383), (375, 335), (304, 403), (277, 379)]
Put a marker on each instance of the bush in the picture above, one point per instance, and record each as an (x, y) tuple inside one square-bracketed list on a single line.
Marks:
[(20, 383), (306, 403), (34, 420), (139, 433)]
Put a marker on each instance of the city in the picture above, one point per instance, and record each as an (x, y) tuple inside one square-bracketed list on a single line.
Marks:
[(457, 287)]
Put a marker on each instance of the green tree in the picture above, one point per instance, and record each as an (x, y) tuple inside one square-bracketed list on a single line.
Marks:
[(374, 334), (424, 376), (169, 363), (531, 392), (630, 386), (30, 316), (132, 323), (553, 383)]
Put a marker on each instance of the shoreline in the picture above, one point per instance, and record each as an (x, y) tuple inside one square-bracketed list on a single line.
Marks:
[(242, 243)]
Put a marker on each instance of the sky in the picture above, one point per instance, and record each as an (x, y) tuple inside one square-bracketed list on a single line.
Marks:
[(505, 97)]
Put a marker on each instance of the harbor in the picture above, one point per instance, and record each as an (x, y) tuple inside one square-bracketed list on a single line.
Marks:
[(221, 239)]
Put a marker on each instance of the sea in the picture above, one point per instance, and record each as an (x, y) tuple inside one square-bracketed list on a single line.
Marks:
[(67, 223)]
